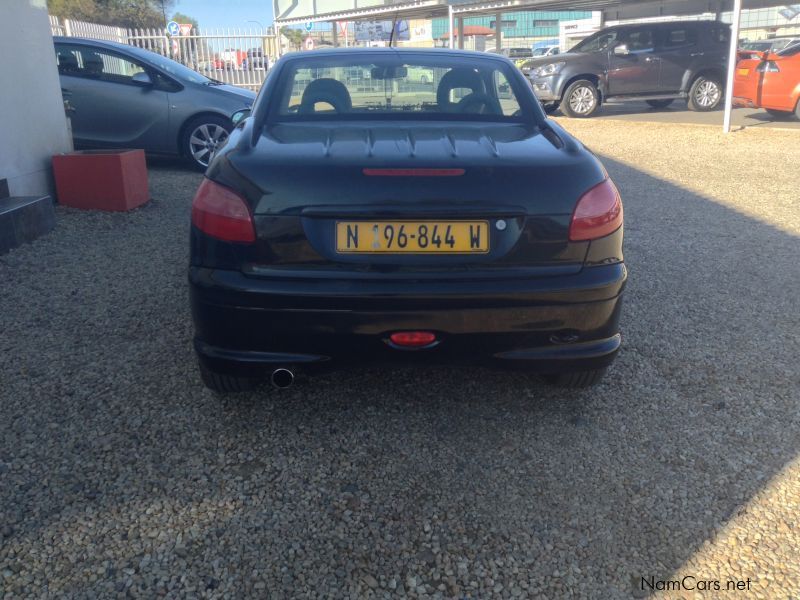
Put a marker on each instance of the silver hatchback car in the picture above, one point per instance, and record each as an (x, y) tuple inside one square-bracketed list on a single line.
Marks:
[(127, 97)]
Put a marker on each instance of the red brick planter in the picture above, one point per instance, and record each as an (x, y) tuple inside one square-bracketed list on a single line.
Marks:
[(101, 179)]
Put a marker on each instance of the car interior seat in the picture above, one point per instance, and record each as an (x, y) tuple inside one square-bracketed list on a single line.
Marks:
[(67, 62), (329, 91), (92, 64), (458, 78)]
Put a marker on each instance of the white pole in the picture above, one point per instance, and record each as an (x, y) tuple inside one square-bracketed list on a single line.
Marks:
[(732, 56), (451, 24)]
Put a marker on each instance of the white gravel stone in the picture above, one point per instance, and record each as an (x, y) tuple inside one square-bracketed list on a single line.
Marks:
[(120, 475)]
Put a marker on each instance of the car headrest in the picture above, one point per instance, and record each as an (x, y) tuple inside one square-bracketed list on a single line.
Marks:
[(92, 63), (325, 90), (67, 63), (454, 79)]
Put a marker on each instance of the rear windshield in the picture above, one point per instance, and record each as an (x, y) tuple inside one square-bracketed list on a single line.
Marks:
[(758, 46), (791, 50), (352, 87)]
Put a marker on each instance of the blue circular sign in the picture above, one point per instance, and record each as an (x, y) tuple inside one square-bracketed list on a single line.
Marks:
[(173, 28), (309, 26)]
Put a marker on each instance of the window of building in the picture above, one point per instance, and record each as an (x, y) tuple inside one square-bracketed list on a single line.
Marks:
[(505, 23)]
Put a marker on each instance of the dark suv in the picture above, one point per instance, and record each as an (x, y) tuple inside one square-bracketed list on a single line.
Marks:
[(656, 62)]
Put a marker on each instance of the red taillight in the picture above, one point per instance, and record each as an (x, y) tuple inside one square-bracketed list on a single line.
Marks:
[(413, 339), (598, 213), (219, 212), (413, 172)]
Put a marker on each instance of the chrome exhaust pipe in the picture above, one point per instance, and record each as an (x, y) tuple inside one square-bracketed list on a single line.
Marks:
[(282, 378)]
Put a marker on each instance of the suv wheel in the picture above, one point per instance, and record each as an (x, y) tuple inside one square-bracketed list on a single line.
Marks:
[(202, 137), (705, 93), (226, 384), (550, 107), (659, 103), (581, 99), (576, 379)]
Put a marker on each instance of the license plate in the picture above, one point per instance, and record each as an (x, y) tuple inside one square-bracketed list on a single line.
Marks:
[(413, 237), (743, 71)]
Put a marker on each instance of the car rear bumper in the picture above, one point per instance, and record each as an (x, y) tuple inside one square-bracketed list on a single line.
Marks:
[(248, 326)]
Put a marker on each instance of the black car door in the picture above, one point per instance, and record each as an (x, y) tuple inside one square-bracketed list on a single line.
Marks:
[(678, 48), (114, 105), (637, 71)]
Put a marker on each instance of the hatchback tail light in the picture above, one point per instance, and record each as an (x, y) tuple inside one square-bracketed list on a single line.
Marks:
[(221, 213), (598, 213)]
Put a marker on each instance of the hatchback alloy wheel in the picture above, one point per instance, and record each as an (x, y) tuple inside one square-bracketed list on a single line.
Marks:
[(204, 141)]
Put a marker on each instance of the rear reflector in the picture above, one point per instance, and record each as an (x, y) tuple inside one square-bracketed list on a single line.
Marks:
[(413, 172), (412, 339), (220, 213), (598, 213)]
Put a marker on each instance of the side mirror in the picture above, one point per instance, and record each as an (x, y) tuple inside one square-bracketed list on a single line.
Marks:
[(621, 50), (142, 78), (240, 115)]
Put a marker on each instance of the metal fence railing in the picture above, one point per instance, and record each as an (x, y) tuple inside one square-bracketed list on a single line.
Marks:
[(238, 57)]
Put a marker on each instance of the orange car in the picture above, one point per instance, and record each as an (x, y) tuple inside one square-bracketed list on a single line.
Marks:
[(771, 82)]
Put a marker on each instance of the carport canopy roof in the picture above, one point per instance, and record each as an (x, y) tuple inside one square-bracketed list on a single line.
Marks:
[(611, 9), (470, 30)]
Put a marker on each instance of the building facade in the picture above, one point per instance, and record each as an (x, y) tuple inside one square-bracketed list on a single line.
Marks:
[(519, 29)]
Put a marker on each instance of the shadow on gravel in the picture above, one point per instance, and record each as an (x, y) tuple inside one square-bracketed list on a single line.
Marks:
[(119, 470)]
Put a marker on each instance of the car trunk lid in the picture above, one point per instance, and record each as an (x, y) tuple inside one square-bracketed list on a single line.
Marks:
[(307, 182)]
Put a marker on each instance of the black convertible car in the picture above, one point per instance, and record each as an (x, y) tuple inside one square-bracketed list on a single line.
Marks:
[(384, 219)]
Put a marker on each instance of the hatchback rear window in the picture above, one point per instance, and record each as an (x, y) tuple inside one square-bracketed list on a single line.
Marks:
[(354, 87), (791, 50)]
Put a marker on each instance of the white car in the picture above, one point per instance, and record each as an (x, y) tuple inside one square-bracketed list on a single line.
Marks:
[(422, 75), (545, 51)]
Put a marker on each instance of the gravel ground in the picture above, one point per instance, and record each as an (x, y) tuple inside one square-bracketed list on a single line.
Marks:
[(120, 475)]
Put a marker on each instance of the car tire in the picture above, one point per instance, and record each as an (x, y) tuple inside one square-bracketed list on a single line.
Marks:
[(226, 384), (581, 100), (206, 132), (660, 103), (576, 379), (705, 94), (550, 107)]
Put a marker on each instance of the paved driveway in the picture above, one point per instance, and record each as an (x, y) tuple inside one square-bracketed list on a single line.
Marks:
[(121, 476), (678, 113)]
